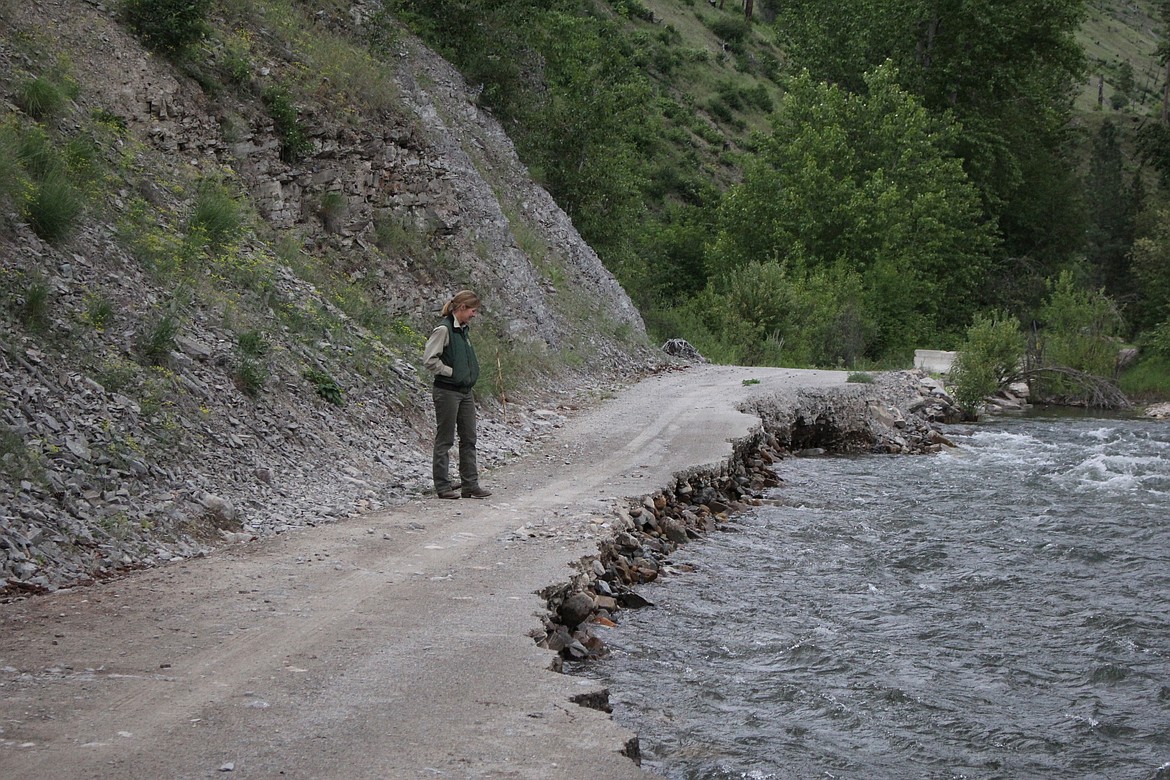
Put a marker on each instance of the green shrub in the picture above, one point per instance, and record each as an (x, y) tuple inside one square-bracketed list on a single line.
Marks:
[(251, 371), (988, 360), (36, 152), (397, 238), (721, 110), (116, 374), (332, 210), (860, 377), (82, 157), (295, 143), (632, 9), (381, 33), (775, 316), (167, 26), (250, 376), (730, 94), (732, 29), (36, 174), (238, 68), (1079, 330), (252, 344), (325, 386), (1157, 341), (759, 98), (104, 116), (99, 312)]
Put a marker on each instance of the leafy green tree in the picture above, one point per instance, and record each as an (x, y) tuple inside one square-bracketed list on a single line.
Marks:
[(1113, 203), (585, 132), (1164, 58), (1154, 137), (488, 41), (1150, 264), (167, 26), (673, 253), (1003, 70), (1126, 79), (865, 182), (989, 359), (767, 313), (1078, 330)]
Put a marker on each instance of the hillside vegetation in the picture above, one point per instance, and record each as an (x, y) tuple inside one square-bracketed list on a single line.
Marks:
[(223, 239)]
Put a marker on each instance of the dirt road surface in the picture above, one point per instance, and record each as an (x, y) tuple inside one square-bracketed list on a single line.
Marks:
[(393, 645)]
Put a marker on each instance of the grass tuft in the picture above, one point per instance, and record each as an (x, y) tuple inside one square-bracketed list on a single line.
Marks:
[(54, 207), (99, 311), (156, 340), (40, 98), (34, 308), (216, 215)]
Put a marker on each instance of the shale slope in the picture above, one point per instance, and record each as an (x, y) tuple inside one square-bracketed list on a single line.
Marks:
[(225, 342)]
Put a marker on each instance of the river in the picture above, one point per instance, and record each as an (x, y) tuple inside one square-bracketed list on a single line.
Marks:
[(1000, 610)]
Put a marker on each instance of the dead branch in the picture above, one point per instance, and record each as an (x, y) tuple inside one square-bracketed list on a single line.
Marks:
[(1097, 392)]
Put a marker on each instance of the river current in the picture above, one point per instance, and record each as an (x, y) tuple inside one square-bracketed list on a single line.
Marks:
[(1000, 610)]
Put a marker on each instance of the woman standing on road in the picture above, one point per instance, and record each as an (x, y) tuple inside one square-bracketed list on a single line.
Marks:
[(451, 358)]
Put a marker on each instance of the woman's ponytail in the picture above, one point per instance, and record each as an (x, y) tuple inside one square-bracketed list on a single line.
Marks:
[(462, 298)]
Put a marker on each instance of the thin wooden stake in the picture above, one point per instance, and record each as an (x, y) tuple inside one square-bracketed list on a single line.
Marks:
[(503, 395)]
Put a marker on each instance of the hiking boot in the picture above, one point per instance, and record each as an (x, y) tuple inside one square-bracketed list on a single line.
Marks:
[(476, 492), (447, 494)]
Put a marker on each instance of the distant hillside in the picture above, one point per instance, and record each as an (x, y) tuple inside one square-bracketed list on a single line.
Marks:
[(1120, 38)]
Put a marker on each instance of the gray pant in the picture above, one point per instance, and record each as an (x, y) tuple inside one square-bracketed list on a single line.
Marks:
[(454, 413)]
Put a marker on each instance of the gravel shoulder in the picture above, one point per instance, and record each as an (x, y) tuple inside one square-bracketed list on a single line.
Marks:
[(391, 645)]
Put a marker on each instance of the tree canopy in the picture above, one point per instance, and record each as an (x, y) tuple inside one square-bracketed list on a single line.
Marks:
[(866, 181), (1004, 69)]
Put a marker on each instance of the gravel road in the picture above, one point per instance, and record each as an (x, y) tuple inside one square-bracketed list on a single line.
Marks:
[(392, 645)]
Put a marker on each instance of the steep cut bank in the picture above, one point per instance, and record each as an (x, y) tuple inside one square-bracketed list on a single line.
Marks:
[(225, 343)]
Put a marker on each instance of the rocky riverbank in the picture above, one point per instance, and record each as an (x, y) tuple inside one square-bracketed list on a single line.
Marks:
[(898, 413)]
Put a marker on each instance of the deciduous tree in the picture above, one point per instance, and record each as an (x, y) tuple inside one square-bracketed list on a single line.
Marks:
[(1003, 69), (866, 181)]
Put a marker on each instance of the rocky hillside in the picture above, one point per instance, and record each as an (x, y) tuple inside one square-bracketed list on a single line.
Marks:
[(217, 272)]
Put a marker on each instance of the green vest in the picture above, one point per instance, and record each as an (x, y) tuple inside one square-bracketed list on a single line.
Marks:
[(460, 355)]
